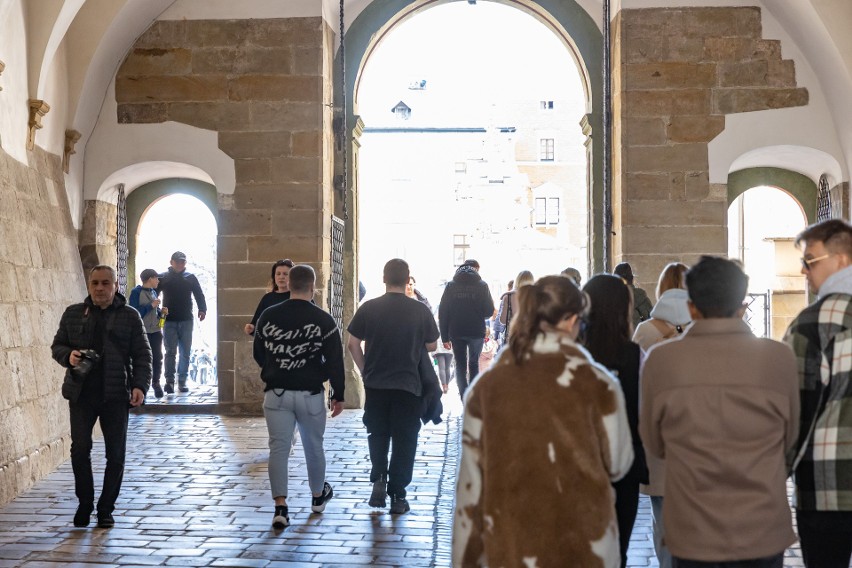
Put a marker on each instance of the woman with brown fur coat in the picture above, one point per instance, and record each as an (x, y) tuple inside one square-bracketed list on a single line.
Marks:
[(545, 433)]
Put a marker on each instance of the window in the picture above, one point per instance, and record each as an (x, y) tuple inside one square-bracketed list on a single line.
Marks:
[(546, 211), (460, 246), (461, 167), (546, 105), (546, 149)]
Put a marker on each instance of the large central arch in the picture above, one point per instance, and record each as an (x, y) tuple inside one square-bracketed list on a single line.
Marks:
[(568, 20)]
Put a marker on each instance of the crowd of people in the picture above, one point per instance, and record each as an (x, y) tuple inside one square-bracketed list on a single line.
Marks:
[(577, 398)]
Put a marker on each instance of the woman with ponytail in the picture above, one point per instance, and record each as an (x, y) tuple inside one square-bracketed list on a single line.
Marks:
[(545, 433)]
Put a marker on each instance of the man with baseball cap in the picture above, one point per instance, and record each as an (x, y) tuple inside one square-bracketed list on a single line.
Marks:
[(177, 287)]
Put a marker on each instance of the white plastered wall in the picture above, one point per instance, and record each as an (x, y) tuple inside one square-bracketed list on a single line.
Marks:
[(811, 126), (13, 97)]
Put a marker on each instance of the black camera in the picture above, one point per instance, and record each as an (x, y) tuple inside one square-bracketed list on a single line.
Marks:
[(88, 359)]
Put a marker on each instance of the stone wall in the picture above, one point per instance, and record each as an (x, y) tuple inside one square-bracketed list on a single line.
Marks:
[(265, 87), (98, 235), (678, 72), (40, 275)]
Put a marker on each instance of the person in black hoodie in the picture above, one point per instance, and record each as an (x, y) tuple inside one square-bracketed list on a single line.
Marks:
[(103, 346), (298, 347), (177, 287), (465, 305)]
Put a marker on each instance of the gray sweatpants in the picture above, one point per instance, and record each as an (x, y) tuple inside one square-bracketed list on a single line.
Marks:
[(283, 411)]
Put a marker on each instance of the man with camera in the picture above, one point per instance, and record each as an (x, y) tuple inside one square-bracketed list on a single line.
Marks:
[(103, 345)]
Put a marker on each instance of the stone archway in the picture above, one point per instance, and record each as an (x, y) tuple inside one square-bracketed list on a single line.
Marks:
[(567, 19), (800, 187)]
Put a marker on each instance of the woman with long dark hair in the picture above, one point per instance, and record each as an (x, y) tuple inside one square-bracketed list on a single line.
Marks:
[(545, 433), (607, 337), (280, 291)]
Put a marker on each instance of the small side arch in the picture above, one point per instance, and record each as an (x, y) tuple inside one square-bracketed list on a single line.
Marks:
[(802, 188)]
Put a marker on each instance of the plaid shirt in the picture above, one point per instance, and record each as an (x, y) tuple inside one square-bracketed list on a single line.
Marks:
[(821, 338)]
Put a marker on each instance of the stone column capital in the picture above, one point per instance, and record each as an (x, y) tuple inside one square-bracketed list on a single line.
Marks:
[(2, 68), (71, 138), (38, 109)]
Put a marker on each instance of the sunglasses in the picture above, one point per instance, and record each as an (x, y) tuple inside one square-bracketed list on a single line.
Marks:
[(807, 262)]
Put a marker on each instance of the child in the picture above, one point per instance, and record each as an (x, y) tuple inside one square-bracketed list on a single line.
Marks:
[(144, 299)]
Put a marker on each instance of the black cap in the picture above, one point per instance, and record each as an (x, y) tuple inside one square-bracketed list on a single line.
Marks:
[(148, 273), (177, 255)]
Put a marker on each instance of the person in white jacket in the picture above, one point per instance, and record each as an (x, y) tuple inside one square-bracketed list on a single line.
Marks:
[(670, 315)]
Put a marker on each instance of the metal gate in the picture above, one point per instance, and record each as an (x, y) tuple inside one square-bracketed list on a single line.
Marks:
[(335, 283), (757, 314)]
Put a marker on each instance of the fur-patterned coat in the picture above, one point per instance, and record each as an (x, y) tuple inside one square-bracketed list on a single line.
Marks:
[(542, 442)]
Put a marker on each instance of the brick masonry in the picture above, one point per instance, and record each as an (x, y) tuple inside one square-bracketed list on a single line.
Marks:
[(678, 72), (266, 87), (40, 275)]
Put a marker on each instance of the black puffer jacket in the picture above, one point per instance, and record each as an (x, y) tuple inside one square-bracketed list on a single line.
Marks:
[(465, 305), (126, 357)]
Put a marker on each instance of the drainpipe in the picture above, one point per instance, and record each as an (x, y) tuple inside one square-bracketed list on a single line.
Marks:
[(605, 140)]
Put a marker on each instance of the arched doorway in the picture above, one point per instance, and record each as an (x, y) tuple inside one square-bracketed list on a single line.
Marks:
[(571, 24), (176, 214), (762, 225)]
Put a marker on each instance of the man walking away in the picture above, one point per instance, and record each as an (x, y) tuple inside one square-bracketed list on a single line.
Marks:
[(721, 406), (821, 338), (102, 344), (465, 305), (178, 287), (396, 330), (144, 299), (298, 347)]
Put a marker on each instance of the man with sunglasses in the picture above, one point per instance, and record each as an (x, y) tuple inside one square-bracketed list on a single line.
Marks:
[(821, 337)]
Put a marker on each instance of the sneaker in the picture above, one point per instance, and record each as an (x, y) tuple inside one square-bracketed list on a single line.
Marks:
[(281, 519), (83, 516), (105, 520), (183, 388), (158, 390), (318, 503), (380, 492), (169, 388), (399, 505)]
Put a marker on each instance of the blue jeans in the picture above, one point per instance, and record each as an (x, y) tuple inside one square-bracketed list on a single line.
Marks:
[(282, 414), (466, 350), (177, 336)]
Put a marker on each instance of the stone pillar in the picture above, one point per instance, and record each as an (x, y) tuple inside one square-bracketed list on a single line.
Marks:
[(265, 86), (354, 383), (98, 235), (678, 72)]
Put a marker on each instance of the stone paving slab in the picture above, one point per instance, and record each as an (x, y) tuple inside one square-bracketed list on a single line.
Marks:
[(196, 493)]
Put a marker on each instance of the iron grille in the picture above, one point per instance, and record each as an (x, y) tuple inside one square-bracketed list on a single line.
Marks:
[(757, 314), (121, 251), (823, 200), (335, 283)]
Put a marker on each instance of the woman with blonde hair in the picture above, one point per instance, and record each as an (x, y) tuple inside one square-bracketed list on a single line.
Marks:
[(509, 305), (545, 433), (670, 315)]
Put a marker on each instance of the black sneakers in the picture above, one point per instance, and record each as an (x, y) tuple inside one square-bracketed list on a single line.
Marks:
[(318, 503), (281, 519), (380, 492), (158, 390), (183, 388), (105, 521), (399, 505), (83, 516), (169, 388)]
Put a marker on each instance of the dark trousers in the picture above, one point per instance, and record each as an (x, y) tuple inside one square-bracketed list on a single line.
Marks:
[(113, 419), (626, 505), (826, 538), (392, 416), (156, 341), (466, 350), (775, 561)]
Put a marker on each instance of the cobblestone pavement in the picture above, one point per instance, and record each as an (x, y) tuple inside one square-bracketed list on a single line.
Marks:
[(196, 493)]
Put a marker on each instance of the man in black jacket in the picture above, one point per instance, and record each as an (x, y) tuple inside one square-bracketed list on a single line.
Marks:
[(298, 348), (102, 344), (177, 287), (465, 305)]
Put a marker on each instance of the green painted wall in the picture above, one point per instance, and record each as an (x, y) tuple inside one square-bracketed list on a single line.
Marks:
[(801, 187)]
